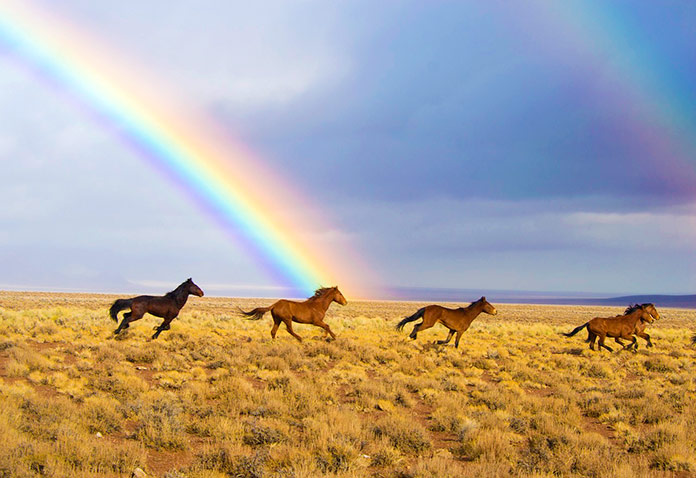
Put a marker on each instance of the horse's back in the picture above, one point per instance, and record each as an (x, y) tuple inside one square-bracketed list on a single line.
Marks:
[(144, 298), (612, 326), (449, 317), (289, 308), (437, 310), (159, 306)]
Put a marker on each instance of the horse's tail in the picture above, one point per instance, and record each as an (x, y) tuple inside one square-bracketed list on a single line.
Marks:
[(411, 318), (118, 306), (576, 330), (256, 313)]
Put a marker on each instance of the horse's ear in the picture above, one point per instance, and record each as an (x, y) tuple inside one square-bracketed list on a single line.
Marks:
[(189, 280), (483, 297)]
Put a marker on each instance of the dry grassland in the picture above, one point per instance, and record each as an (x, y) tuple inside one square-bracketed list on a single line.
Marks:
[(215, 397)]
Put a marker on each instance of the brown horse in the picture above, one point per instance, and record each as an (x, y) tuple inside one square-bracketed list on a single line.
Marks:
[(457, 320), (619, 327), (311, 311), (640, 326), (166, 306)]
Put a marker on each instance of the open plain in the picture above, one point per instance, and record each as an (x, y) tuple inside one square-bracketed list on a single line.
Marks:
[(215, 397)]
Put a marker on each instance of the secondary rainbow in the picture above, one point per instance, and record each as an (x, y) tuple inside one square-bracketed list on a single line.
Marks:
[(184, 145), (654, 95)]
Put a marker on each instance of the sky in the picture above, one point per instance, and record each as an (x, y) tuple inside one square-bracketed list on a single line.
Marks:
[(502, 146)]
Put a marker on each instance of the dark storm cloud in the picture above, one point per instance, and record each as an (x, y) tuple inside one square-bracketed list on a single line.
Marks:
[(447, 101)]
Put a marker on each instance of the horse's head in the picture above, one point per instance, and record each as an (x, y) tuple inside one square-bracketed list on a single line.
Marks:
[(646, 313), (193, 288), (650, 308), (487, 307), (338, 297)]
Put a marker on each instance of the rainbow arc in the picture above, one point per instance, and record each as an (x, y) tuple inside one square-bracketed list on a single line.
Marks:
[(219, 174)]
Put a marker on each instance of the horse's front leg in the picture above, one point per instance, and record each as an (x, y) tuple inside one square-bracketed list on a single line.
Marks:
[(646, 337), (633, 345), (164, 326), (288, 326), (327, 329), (459, 336)]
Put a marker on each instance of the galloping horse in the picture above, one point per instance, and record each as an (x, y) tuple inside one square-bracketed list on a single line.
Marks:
[(457, 320), (619, 327), (166, 306), (311, 311), (640, 326)]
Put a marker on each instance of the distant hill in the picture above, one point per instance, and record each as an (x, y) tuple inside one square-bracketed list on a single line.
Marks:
[(676, 301), (679, 301), (539, 297)]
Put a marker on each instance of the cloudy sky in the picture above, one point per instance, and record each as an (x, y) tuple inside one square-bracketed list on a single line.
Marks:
[(474, 145)]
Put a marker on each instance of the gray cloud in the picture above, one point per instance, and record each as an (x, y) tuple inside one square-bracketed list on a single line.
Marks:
[(454, 145)]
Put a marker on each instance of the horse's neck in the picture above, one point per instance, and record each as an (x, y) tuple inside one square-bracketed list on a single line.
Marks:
[(180, 297), (476, 308), (636, 316), (323, 301)]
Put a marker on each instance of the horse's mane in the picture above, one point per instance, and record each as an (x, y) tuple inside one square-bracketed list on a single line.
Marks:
[(321, 291), (634, 307), (176, 292)]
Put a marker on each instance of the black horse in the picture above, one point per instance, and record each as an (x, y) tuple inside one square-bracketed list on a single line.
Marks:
[(166, 306)]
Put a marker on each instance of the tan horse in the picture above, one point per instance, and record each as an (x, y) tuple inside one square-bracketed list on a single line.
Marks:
[(619, 327), (456, 320), (311, 311)]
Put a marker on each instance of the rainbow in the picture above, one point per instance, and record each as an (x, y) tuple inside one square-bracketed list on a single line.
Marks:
[(656, 100), (224, 179)]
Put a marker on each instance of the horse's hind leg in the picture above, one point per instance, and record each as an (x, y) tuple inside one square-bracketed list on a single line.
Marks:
[(414, 332), (426, 324), (124, 323), (449, 337), (276, 324), (591, 339), (601, 344), (122, 326)]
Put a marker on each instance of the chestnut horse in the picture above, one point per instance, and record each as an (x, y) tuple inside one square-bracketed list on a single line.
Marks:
[(619, 327), (310, 311), (640, 326), (166, 306), (457, 320)]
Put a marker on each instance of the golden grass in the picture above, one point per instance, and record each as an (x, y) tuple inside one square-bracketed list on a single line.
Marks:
[(215, 397)]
